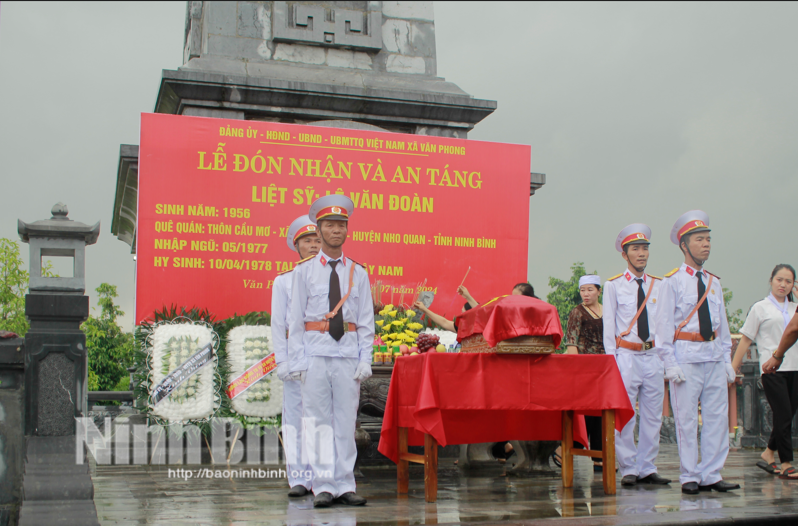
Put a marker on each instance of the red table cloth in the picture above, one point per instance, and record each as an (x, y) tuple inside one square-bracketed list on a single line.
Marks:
[(509, 317), (462, 398)]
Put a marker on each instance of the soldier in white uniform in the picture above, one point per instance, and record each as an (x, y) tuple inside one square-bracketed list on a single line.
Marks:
[(630, 303), (693, 333), (301, 238), (331, 332)]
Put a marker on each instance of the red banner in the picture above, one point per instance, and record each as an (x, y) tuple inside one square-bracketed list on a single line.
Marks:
[(216, 197)]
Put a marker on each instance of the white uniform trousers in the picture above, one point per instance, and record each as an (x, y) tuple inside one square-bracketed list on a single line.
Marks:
[(297, 470), (642, 375), (706, 381), (330, 398)]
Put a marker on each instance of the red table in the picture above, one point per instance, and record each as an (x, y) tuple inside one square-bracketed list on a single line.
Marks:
[(447, 398)]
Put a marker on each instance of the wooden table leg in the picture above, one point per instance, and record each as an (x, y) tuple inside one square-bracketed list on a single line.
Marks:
[(608, 450), (430, 468), (567, 447), (402, 468)]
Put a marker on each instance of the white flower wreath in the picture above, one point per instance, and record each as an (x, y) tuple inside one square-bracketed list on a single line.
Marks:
[(247, 345), (170, 345)]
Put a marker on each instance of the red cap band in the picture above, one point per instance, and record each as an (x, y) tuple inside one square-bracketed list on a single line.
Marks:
[(305, 230), (691, 225), (332, 211), (634, 237)]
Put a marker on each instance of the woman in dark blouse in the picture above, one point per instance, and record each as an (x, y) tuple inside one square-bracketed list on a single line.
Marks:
[(585, 335)]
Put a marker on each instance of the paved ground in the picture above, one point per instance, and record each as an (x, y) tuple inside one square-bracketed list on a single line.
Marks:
[(147, 495)]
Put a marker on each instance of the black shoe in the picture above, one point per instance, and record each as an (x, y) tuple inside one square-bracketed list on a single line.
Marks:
[(298, 491), (654, 478), (629, 480), (323, 500), (721, 486), (690, 488), (350, 498)]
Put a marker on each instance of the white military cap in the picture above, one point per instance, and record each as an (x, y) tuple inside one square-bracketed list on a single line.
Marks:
[(590, 279), (634, 234), (688, 223), (335, 207), (301, 227)]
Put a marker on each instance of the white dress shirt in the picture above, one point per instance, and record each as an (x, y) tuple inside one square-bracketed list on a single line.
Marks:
[(281, 305), (310, 302), (620, 307), (678, 297), (765, 325)]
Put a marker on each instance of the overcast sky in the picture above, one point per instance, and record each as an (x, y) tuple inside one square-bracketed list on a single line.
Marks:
[(635, 112)]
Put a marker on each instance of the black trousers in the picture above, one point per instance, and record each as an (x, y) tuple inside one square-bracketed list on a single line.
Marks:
[(781, 391), (593, 428)]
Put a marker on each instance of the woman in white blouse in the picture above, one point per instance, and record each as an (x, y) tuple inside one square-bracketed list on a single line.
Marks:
[(765, 324)]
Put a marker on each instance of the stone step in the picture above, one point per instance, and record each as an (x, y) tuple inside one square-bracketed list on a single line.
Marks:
[(57, 486), (58, 512)]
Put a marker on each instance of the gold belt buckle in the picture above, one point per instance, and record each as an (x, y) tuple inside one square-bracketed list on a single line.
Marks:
[(346, 327), (648, 346), (711, 338)]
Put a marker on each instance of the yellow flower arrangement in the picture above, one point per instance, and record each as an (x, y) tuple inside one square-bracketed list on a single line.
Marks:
[(396, 326)]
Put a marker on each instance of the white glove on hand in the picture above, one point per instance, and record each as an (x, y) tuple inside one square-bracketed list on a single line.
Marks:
[(731, 374), (363, 371), (282, 371), (297, 376), (675, 374)]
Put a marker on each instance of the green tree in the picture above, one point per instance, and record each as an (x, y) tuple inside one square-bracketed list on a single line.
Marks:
[(734, 317), (565, 294), (13, 286), (110, 349)]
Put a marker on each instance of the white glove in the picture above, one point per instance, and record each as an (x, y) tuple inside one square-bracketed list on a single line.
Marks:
[(675, 374), (297, 376), (731, 374), (282, 371), (363, 371)]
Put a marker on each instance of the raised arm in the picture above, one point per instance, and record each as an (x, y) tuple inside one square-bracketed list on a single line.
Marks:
[(437, 318)]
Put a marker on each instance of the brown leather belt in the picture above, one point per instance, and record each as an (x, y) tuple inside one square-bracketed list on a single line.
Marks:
[(695, 336), (324, 326), (635, 346)]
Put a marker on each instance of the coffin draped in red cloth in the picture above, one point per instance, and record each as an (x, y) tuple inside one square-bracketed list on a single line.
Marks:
[(508, 317), (461, 398)]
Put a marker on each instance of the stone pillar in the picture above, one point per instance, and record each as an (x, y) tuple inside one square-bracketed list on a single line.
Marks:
[(56, 488), (12, 440)]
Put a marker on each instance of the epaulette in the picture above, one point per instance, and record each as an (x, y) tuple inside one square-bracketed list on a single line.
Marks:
[(716, 276), (672, 272), (655, 277), (295, 265), (359, 263), (615, 277)]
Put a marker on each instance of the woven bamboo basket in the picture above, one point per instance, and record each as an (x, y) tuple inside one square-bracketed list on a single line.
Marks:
[(518, 345)]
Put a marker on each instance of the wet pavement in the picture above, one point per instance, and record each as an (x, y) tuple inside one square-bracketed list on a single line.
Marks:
[(148, 495)]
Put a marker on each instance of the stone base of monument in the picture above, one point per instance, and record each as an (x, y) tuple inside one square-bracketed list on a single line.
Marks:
[(55, 489)]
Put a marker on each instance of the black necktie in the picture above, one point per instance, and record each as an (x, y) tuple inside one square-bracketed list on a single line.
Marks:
[(642, 320), (337, 322), (704, 319)]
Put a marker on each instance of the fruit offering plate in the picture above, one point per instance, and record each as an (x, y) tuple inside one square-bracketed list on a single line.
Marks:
[(519, 345)]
